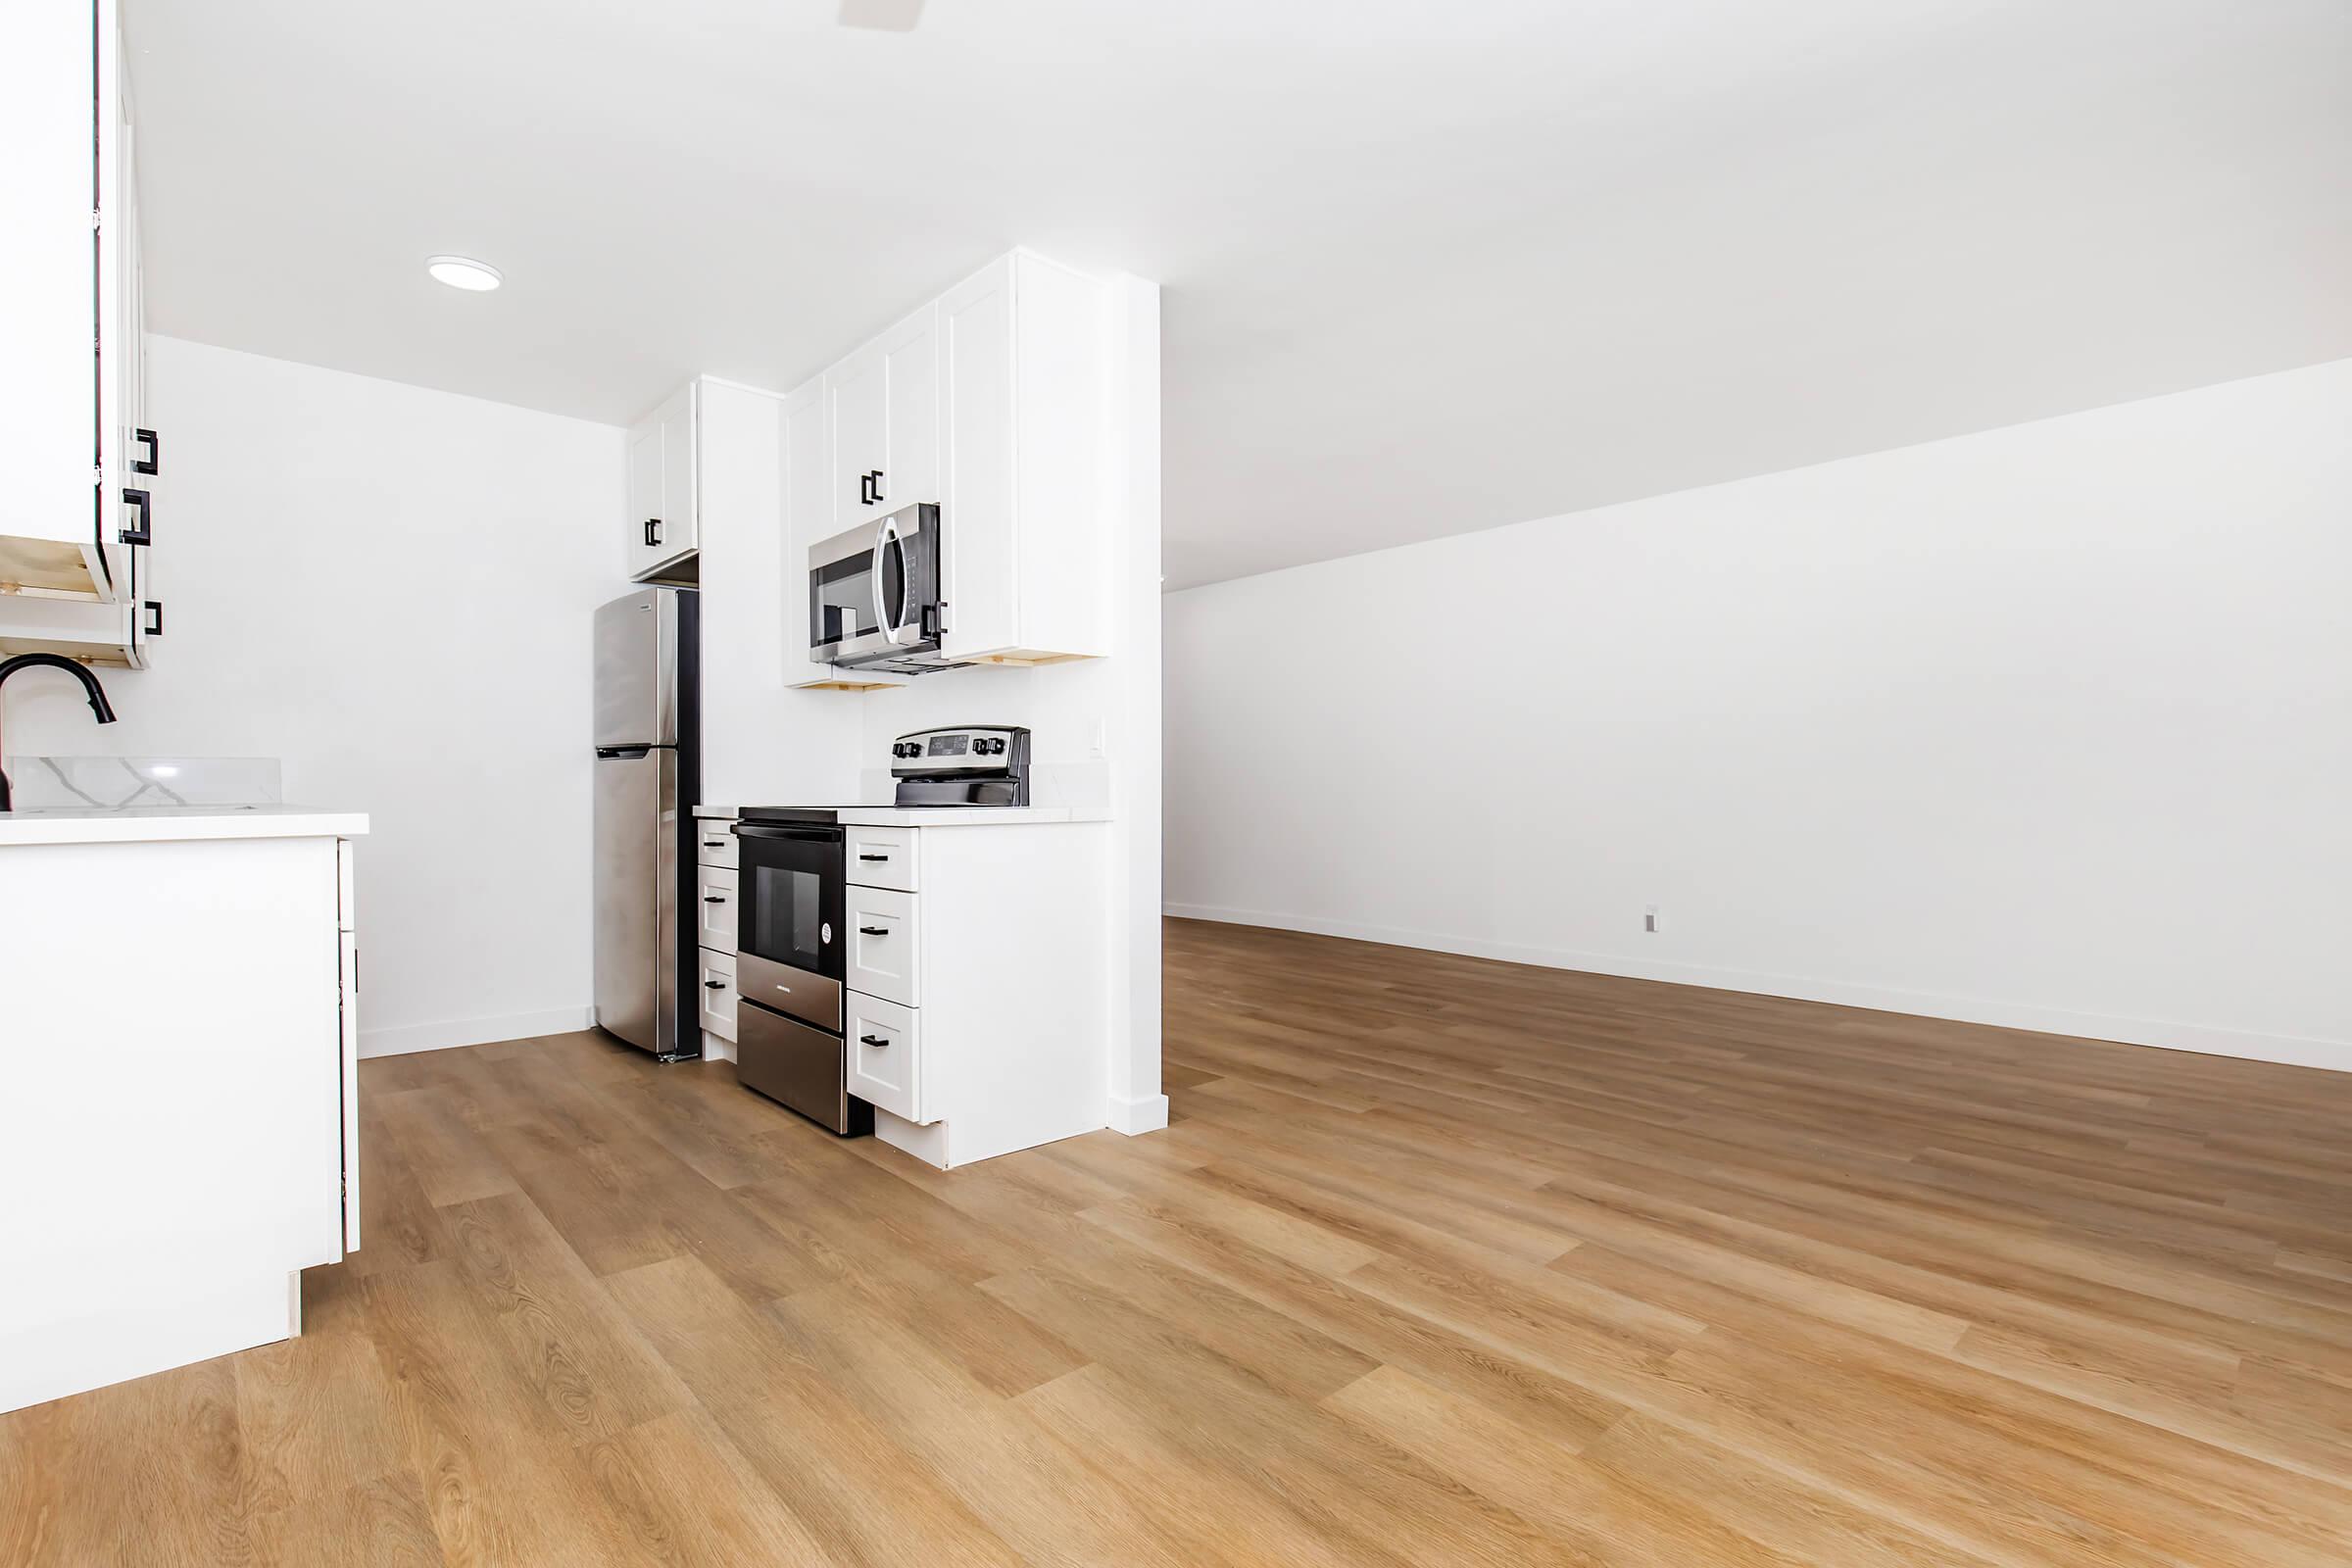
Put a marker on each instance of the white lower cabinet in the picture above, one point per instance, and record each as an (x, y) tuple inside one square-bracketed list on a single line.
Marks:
[(718, 993), (886, 945), (716, 850), (976, 1015), (715, 897), (883, 858), (886, 1055), (715, 843), (182, 1131)]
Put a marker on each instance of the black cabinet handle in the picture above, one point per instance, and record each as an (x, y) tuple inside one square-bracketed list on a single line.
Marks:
[(714, 844), (865, 489), (877, 1041), (874, 856), (878, 484), (653, 532), (715, 985), (151, 462), (155, 618), (139, 501), (712, 898), (873, 930)]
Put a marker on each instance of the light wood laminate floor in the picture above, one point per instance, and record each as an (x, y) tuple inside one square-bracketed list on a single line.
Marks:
[(1442, 1263)]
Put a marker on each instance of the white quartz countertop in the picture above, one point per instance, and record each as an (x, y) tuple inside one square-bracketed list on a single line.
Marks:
[(156, 824), (939, 816)]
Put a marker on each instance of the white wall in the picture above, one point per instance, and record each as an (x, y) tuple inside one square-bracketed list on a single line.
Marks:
[(2049, 726), (389, 589), (763, 744)]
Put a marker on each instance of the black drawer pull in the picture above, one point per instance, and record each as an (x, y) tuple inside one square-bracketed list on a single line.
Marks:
[(715, 985), (874, 856), (153, 461), (712, 898), (873, 930), (714, 844), (877, 1041), (140, 502)]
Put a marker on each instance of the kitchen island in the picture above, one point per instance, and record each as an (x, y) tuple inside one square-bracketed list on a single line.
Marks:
[(178, 1134)]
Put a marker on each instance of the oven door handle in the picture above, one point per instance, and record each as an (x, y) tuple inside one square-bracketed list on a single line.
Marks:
[(887, 537), (812, 834)]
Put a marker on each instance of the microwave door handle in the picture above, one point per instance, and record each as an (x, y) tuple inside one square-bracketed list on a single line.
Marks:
[(887, 537)]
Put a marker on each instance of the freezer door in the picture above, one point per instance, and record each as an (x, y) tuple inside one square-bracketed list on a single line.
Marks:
[(637, 669), (636, 901)]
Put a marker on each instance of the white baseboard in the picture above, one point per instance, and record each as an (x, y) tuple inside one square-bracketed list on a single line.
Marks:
[(1147, 1115), (415, 1037), (2295, 1051)]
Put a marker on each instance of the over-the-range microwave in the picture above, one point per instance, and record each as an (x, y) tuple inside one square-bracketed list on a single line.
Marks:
[(874, 599)]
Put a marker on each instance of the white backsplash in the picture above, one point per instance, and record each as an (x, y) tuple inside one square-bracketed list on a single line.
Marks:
[(83, 783)]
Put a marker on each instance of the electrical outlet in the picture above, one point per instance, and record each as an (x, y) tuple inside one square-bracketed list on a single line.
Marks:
[(1650, 919)]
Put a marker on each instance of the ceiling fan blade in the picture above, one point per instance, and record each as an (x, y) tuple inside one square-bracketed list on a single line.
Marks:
[(882, 15)]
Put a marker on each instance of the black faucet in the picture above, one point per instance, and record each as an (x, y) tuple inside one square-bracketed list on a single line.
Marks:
[(89, 683)]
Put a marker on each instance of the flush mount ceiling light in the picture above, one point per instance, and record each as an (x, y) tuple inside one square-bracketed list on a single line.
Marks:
[(461, 271), (882, 15)]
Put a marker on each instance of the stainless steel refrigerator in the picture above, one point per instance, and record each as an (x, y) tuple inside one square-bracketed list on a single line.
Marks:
[(648, 769)]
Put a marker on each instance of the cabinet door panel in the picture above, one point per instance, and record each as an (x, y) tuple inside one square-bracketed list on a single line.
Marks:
[(349, 971), (910, 466), (857, 397), (886, 945), (977, 532), (719, 996), (885, 1047), (715, 890), (645, 493), (680, 531), (49, 392)]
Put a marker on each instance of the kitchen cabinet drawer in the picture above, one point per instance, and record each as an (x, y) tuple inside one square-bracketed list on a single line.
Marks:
[(715, 843), (886, 1057), (882, 858), (715, 892), (718, 993), (886, 945)]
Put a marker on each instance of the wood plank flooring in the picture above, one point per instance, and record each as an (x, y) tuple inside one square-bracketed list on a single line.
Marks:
[(1442, 1262)]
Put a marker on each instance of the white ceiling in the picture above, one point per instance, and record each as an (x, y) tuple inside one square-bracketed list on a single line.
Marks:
[(1429, 268)]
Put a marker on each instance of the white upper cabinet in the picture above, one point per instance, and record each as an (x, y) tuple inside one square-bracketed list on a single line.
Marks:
[(1025, 368), (989, 403), (857, 395), (79, 505), (911, 365), (883, 403), (664, 474), (823, 496)]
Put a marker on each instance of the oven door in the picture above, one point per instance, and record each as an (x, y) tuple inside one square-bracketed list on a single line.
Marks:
[(873, 591), (788, 937)]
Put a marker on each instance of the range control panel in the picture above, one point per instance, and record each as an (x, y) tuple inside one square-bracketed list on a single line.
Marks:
[(975, 749)]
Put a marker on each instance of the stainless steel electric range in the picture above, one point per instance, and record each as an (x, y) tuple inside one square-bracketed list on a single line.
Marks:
[(792, 880)]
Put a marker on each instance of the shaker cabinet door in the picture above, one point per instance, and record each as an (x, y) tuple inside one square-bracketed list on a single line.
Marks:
[(645, 519), (909, 470), (661, 519), (857, 402)]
